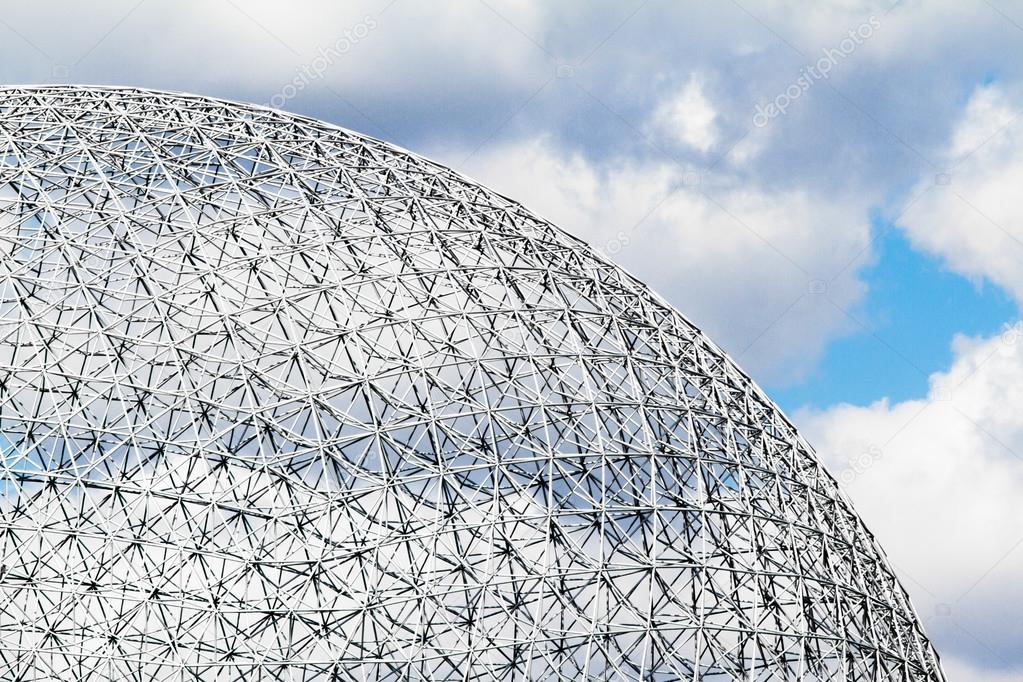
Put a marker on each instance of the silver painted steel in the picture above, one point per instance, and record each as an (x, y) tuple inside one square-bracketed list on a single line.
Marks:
[(283, 402)]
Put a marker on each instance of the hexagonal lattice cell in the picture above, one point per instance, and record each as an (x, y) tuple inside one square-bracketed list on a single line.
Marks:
[(282, 402)]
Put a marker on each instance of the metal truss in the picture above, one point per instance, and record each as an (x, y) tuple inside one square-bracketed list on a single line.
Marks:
[(282, 402)]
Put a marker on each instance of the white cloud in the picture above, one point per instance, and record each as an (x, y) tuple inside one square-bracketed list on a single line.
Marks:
[(749, 146), (987, 113), (261, 45), (971, 216), (688, 117), (938, 480), (959, 670), (919, 30), (744, 262)]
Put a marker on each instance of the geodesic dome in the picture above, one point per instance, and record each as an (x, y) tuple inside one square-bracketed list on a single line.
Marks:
[(282, 402)]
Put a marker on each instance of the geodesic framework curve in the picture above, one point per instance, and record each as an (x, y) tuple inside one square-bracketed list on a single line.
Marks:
[(283, 402)]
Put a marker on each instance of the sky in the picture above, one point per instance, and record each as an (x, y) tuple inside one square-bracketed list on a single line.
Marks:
[(831, 190)]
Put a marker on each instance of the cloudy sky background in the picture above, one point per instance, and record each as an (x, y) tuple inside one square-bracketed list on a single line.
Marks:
[(859, 253)]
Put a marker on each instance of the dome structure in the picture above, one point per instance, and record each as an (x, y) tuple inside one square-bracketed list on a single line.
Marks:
[(283, 402)]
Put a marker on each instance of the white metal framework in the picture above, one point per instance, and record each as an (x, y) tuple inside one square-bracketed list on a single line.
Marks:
[(282, 402)]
